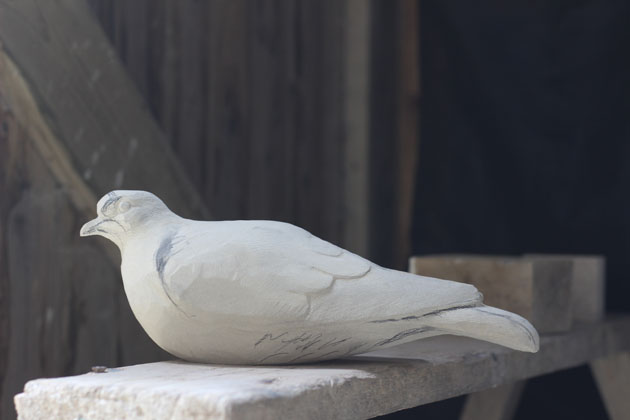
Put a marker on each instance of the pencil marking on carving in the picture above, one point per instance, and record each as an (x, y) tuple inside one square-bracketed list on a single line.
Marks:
[(270, 356), (162, 255), (329, 353), (416, 317), (300, 357), (270, 337), (333, 342), (403, 334)]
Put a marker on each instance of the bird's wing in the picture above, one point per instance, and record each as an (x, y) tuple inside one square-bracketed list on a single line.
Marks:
[(251, 267)]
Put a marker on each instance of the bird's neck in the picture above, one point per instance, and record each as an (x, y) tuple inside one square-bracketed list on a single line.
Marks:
[(147, 233)]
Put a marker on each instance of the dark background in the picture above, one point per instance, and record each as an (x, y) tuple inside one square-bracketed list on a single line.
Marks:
[(525, 147)]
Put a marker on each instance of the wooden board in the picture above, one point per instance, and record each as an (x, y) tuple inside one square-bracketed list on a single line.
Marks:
[(366, 386)]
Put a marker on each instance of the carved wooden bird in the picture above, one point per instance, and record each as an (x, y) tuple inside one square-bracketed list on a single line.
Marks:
[(265, 292)]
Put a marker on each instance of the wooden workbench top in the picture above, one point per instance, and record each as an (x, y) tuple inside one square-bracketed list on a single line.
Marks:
[(361, 387)]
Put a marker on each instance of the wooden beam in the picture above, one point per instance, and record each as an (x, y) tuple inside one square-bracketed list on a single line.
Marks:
[(357, 110), (408, 122), (23, 105), (67, 88)]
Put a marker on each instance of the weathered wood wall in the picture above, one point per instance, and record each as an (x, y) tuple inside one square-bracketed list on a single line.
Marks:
[(62, 305), (270, 107), (251, 96)]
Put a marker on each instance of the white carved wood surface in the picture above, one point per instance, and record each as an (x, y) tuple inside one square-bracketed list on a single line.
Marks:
[(365, 386)]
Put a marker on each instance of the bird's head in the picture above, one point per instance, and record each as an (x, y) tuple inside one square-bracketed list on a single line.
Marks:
[(123, 213)]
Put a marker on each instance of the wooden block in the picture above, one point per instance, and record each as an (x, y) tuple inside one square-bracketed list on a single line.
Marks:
[(535, 288), (588, 287)]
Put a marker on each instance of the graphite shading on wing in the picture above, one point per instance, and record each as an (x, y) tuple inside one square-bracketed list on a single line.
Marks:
[(249, 268)]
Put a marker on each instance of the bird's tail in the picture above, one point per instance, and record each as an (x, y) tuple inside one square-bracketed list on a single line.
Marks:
[(488, 324)]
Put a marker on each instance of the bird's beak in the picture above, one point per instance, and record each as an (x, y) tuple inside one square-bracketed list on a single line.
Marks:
[(91, 227)]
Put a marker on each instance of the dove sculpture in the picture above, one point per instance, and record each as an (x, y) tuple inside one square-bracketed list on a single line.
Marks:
[(265, 292)]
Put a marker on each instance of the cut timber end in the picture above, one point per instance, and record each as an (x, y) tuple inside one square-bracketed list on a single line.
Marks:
[(537, 289)]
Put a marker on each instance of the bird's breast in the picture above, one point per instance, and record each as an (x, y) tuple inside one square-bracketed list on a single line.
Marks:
[(143, 285)]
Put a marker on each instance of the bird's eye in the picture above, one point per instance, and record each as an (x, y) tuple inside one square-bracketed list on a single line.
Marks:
[(123, 206)]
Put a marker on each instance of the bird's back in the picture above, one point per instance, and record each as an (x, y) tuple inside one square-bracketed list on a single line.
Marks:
[(278, 270)]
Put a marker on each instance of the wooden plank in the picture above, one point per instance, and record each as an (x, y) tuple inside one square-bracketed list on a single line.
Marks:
[(383, 173), (268, 89), (189, 139), (12, 149), (104, 12), (227, 130), (55, 333), (36, 348), (498, 403), (132, 31), (408, 121), (319, 151), (21, 102), (68, 89), (612, 375), (72, 320), (272, 81), (164, 56), (374, 384), (357, 124)]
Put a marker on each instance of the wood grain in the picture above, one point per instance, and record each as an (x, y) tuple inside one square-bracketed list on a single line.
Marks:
[(358, 30), (227, 114), (251, 96), (319, 146), (408, 122), (12, 145), (61, 310), (86, 109), (273, 109)]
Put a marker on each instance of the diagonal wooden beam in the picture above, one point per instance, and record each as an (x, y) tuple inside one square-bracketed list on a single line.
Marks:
[(65, 85)]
